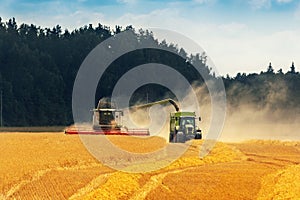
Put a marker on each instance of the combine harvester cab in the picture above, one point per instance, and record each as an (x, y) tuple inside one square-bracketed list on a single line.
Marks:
[(107, 120)]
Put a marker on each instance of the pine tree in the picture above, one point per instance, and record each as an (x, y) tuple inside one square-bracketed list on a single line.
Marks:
[(293, 70), (270, 69)]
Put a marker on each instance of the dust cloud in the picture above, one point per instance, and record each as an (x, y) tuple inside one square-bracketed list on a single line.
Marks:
[(154, 118), (245, 119), (271, 120)]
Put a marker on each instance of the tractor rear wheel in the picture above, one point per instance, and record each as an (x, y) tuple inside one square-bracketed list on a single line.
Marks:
[(171, 139)]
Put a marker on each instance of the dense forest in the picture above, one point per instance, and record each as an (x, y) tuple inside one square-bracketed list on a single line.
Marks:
[(38, 67)]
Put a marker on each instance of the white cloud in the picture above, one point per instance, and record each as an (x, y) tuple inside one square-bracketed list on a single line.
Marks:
[(297, 12), (233, 28), (252, 51), (258, 4), (204, 1), (284, 1), (127, 1)]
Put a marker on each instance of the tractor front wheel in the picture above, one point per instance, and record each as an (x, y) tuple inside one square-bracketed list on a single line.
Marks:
[(198, 136)]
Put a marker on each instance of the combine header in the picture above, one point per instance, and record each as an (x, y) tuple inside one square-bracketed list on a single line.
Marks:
[(107, 120)]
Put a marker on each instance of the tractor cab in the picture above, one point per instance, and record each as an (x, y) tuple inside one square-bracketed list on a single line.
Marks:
[(183, 127)]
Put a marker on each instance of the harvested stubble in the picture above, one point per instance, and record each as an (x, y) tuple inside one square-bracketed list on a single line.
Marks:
[(58, 166)]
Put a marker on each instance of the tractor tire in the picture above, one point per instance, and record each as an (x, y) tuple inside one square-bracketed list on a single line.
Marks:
[(171, 138), (198, 136)]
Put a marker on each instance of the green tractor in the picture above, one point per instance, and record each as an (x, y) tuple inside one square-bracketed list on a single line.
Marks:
[(183, 126)]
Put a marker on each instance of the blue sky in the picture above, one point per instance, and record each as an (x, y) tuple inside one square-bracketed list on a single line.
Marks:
[(238, 35)]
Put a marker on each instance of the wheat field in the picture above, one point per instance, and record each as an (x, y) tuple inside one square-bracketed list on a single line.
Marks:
[(58, 166)]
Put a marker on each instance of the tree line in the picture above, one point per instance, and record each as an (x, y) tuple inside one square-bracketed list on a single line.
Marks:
[(38, 67)]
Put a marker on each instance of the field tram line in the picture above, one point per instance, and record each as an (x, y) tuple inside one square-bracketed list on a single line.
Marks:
[(155, 181), (94, 184), (39, 174), (269, 160)]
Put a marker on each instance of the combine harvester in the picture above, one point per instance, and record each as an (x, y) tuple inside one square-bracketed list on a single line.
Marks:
[(107, 120)]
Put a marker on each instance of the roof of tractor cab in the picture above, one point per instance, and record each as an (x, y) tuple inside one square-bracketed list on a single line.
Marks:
[(183, 114)]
